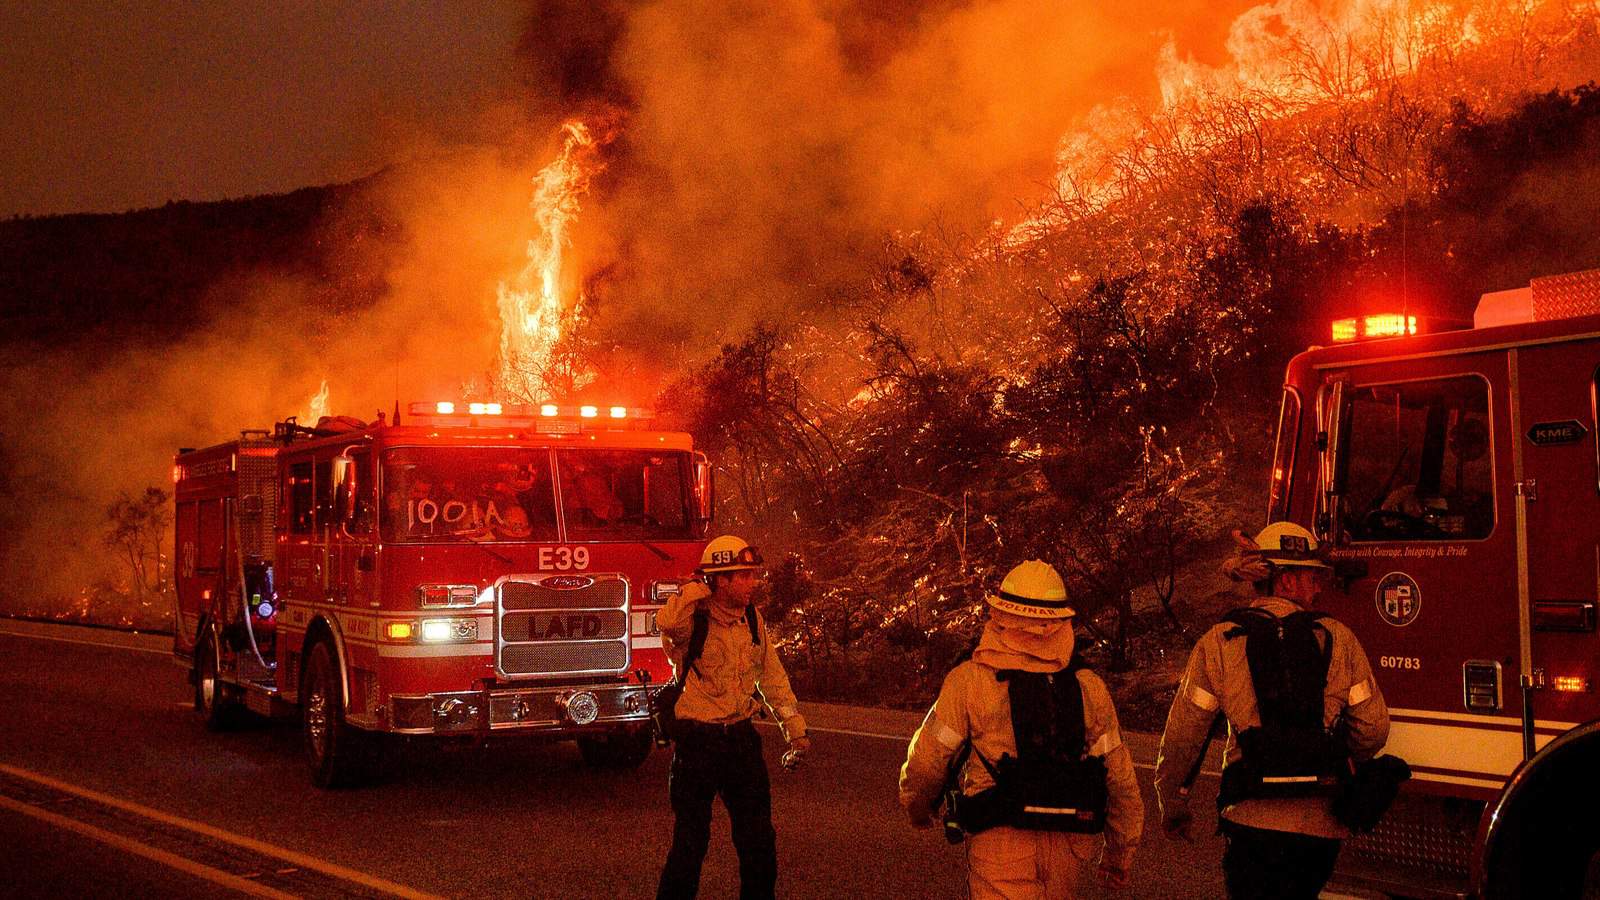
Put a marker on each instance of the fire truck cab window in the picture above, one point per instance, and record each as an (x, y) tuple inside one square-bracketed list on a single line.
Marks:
[(1418, 466), (299, 493), (365, 501), (624, 495), (489, 494), (324, 493)]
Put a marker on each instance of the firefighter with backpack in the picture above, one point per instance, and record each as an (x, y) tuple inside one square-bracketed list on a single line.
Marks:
[(1025, 743), (1302, 708), (727, 670)]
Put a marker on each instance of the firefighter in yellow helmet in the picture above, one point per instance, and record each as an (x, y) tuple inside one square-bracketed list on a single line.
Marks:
[(1301, 703), (729, 669), (1026, 744)]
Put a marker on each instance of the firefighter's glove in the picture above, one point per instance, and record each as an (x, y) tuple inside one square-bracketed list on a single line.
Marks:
[(1112, 875), (798, 748), (1179, 825), (1246, 564)]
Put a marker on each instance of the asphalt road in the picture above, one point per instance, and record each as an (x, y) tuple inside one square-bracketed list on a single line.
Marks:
[(109, 784)]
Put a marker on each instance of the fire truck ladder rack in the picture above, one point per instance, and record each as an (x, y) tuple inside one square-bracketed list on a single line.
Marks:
[(290, 430)]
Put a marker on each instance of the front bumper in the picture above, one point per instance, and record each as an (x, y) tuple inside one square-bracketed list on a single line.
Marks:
[(549, 710)]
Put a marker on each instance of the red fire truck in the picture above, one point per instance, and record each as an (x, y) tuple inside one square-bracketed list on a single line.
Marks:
[(1456, 476), (480, 570)]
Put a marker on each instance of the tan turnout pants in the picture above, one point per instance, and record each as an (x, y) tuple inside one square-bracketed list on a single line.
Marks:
[(1007, 863)]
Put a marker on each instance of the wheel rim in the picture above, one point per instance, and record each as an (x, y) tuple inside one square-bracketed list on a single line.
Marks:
[(208, 680), (317, 718)]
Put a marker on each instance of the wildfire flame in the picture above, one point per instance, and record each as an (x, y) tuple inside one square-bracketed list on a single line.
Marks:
[(531, 307), (1357, 83), (317, 407)]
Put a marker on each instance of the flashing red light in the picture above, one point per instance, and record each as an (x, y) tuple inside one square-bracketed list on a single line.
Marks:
[(1572, 684), (1384, 325), (509, 413), (1389, 325)]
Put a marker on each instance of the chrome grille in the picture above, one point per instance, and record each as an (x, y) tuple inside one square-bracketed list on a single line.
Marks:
[(574, 656), (610, 593), (577, 628), (590, 624)]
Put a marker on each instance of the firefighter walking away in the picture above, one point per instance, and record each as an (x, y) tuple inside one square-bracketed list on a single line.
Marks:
[(727, 670), (1023, 747), (1301, 705)]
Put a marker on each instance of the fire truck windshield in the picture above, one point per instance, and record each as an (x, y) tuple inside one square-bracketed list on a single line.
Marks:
[(1419, 466), (624, 495), (459, 494)]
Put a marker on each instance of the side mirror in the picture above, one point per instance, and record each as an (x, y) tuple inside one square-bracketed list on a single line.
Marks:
[(704, 488), (344, 488), (1330, 442)]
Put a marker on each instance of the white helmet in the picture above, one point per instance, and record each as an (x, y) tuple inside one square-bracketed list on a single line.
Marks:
[(729, 554), (1286, 544)]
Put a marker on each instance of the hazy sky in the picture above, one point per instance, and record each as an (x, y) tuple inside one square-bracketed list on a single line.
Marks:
[(107, 105)]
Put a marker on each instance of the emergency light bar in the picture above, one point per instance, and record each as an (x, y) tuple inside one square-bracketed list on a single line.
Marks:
[(543, 410), (544, 416), (1383, 325)]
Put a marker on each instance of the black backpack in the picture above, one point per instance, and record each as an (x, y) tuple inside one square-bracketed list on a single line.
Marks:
[(1292, 753), (664, 702), (1052, 784)]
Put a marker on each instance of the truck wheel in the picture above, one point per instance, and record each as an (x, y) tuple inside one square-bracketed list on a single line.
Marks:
[(1547, 844), (336, 752), (213, 699), (617, 750)]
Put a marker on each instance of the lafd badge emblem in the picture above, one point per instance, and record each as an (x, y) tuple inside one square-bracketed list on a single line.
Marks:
[(1399, 599)]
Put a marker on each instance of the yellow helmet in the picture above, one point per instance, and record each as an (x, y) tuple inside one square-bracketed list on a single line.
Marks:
[(1033, 589), (1288, 544), (729, 554)]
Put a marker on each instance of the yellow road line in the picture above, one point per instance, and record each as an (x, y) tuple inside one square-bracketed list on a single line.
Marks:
[(287, 855), (129, 845), (62, 640)]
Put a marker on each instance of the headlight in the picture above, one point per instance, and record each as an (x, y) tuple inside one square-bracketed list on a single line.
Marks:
[(662, 591), (441, 630)]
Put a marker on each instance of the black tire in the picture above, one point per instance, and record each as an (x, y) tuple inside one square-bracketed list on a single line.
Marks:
[(617, 750), (213, 700), (339, 755), (1547, 845)]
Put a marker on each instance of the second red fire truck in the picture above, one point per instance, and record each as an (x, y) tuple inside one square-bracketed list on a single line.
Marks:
[(480, 570), (1456, 476)]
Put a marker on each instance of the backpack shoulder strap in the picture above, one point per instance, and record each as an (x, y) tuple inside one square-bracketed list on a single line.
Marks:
[(1246, 619), (697, 643), (1046, 714), (1314, 619), (755, 628)]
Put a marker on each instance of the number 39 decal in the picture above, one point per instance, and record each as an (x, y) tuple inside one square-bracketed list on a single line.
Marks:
[(562, 559)]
